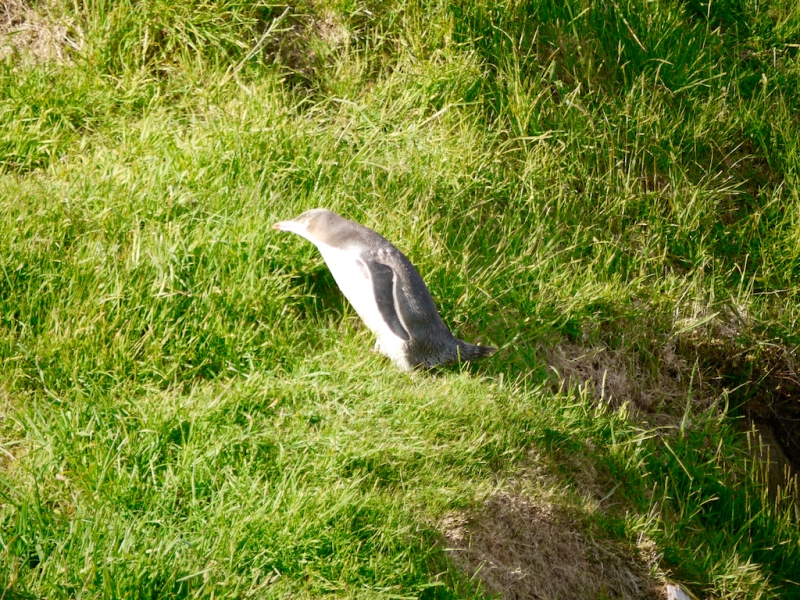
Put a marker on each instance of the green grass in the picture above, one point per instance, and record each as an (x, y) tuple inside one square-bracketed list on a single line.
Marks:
[(188, 407)]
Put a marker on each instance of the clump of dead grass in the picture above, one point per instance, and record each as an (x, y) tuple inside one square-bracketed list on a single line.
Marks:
[(522, 548), (709, 356), (309, 41), (617, 377), (329, 28), (36, 33)]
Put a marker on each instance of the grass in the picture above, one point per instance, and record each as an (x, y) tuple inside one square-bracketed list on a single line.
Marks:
[(187, 404)]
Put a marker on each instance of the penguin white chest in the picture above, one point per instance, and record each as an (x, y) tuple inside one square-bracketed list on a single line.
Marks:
[(354, 279)]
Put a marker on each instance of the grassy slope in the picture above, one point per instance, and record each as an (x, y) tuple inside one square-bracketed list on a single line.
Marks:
[(188, 404)]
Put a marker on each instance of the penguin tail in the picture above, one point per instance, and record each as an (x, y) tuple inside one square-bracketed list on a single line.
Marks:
[(471, 352)]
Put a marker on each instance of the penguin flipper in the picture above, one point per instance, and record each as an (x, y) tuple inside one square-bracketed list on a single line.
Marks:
[(384, 283)]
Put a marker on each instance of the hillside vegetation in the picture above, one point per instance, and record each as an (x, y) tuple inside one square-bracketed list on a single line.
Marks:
[(607, 191)]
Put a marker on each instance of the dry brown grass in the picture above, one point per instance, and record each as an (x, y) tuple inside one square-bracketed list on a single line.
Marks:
[(759, 377), (329, 28), (309, 43), (38, 34), (617, 377), (522, 548)]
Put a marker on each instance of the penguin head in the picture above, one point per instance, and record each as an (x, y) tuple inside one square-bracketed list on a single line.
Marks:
[(314, 224)]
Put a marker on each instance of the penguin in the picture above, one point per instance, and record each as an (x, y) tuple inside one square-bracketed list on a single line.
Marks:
[(386, 291)]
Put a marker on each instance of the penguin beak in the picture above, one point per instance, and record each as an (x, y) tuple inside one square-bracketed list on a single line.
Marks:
[(294, 226)]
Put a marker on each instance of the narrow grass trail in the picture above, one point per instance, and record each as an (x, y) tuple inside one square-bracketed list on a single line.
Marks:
[(606, 192)]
